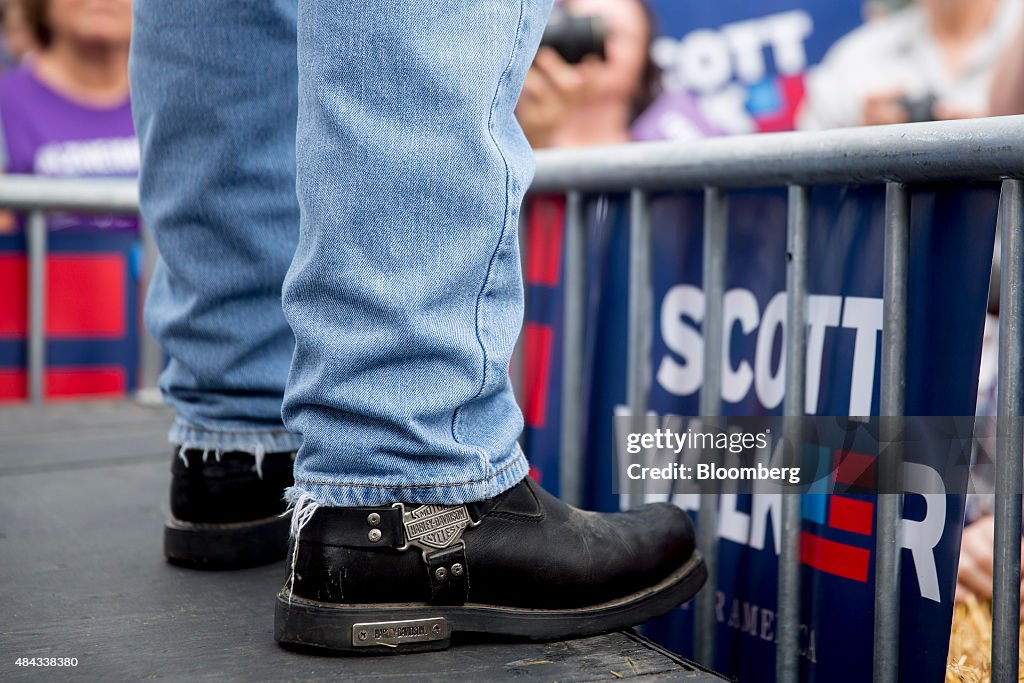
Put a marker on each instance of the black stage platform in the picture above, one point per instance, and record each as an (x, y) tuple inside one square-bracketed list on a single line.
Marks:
[(82, 500)]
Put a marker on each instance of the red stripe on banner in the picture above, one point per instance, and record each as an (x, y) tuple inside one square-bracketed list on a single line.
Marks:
[(95, 382), (85, 295), (834, 558), (545, 229), (13, 385), (848, 514), (14, 300), (536, 373), (855, 468)]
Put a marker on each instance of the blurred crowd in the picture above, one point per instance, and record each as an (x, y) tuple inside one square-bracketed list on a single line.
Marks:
[(65, 111), (911, 61), (64, 105)]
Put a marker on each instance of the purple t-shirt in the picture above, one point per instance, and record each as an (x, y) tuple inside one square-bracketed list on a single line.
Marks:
[(45, 133)]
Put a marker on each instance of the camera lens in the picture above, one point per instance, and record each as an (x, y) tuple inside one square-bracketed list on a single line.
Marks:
[(576, 37)]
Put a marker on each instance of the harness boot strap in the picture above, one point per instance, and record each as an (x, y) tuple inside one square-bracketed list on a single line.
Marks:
[(448, 574)]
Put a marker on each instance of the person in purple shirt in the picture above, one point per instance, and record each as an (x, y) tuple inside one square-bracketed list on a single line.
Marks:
[(66, 112)]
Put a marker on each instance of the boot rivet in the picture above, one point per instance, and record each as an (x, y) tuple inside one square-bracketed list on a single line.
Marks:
[(436, 628), (441, 573), (374, 535), (373, 519), (363, 635), (456, 569)]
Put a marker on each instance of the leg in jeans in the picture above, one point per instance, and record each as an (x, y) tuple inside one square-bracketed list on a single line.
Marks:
[(406, 293), (405, 297), (215, 99)]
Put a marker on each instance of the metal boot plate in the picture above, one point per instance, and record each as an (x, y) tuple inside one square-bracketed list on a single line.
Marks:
[(396, 633)]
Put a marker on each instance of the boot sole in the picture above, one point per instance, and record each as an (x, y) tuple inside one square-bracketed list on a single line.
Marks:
[(416, 627), (226, 546)]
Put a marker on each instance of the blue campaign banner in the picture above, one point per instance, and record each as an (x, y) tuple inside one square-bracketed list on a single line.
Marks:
[(735, 66), (951, 245)]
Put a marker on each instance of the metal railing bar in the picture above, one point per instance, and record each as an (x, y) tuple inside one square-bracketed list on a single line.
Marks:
[(571, 460), (36, 245), (787, 650), (1010, 445), (151, 355), (892, 403), (716, 229), (517, 373), (640, 323), (977, 149), (968, 150), (99, 195)]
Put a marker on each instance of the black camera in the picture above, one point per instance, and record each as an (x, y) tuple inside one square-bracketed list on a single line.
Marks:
[(575, 37)]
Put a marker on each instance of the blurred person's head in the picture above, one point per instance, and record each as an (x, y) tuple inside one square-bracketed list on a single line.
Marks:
[(595, 101), (959, 8), (83, 47), (18, 38), (627, 73), (81, 24)]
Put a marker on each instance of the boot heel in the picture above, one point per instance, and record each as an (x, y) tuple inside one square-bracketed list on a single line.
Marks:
[(226, 546)]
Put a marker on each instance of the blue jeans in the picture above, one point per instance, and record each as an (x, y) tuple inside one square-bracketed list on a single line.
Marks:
[(372, 146)]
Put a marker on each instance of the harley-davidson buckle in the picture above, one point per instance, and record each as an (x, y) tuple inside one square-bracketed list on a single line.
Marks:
[(434, 527)]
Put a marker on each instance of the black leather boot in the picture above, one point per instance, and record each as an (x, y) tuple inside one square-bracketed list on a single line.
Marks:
[(226, 509), (404, 578)]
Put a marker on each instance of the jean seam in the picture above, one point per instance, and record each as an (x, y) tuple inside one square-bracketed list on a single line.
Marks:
[(501, 237), (515, 461)]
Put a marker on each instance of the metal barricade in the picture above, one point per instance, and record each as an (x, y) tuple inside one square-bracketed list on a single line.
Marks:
[(896, 156)]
